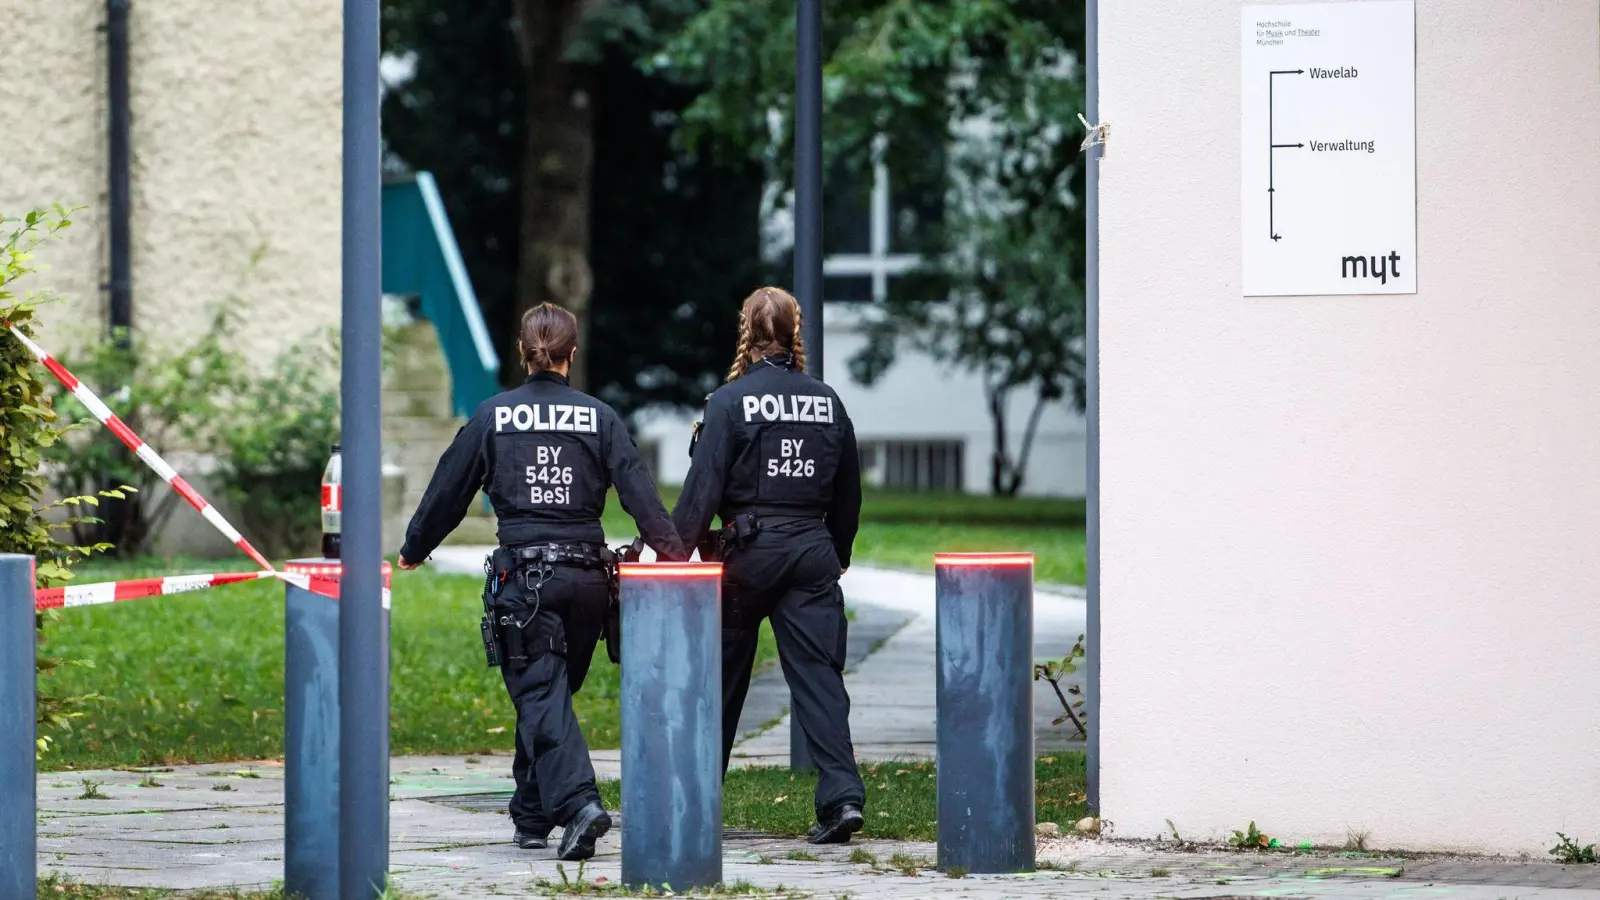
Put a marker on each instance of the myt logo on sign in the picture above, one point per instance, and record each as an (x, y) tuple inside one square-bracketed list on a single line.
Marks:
[(788, 408), (547, 417)]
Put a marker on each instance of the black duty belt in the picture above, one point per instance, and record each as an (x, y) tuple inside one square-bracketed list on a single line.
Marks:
[(744, 526), (574, 553)]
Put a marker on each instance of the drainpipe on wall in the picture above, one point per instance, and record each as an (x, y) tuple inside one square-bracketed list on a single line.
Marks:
[(118, 514), (117, 159)]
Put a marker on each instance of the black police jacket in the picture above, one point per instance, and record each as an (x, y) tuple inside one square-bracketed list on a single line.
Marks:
[(775, 442), (545, 453)]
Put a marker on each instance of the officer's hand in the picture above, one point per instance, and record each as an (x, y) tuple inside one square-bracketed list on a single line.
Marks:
[(844, 570), (408, 565)]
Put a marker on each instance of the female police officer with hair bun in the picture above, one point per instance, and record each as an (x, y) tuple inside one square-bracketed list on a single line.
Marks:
[(545, 453), (776, 459)]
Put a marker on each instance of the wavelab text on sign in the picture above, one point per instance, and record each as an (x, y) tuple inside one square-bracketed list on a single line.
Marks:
[(1329, 171)]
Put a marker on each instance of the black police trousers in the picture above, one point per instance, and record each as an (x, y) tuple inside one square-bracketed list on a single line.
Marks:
[(552, 770), (789, 572)]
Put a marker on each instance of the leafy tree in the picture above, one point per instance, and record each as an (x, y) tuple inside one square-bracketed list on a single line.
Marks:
[(676, 248), (273, 445), (996, 82), (671, 236)]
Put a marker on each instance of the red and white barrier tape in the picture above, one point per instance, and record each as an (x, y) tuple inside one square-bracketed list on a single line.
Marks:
[(317, 579), (112, 591), (144, 451)]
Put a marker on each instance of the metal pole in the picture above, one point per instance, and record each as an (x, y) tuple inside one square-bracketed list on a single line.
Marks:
[(807, 234), (19, 838), (984, 732), (1091, 369), (672, 725), (310, 737), (808, 176), (118, 177), (363, 625)]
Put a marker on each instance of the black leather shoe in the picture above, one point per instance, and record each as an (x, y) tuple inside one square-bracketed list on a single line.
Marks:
[(530, 840), (582, 831), (845, 821)]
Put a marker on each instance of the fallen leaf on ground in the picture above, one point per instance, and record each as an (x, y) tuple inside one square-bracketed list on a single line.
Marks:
[(500, 730), (780, 799)]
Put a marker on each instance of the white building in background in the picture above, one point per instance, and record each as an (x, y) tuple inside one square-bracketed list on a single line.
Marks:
[(1348, 543), (922, 426)]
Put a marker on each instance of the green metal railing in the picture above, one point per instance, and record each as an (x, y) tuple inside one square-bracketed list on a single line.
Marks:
[(421, 259)]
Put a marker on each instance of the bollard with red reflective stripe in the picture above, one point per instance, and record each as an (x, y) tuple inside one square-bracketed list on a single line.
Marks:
[(311, 726), (18, 800), (672, 725), (984, 637)]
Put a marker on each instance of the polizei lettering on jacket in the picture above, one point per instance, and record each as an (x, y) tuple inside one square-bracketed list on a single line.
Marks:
[(547, 417), (788, 408)]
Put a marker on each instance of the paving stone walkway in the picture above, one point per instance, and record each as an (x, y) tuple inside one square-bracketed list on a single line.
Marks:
[(222, 826), (187, 833)]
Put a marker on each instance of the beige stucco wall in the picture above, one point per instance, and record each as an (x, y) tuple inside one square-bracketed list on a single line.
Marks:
[(236, 147), (1351, 545)]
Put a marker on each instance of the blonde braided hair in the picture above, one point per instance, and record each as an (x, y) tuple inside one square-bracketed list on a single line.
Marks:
[(769, 322)]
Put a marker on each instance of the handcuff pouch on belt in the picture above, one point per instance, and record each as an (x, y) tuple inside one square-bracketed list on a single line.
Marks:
[(613, 624), (716, 545)]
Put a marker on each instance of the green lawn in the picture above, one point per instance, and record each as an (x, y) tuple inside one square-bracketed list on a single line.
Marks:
[(901, 798), (903, 529), (197, 678)]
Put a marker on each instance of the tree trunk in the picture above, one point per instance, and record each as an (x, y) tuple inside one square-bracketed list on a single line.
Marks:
[(1007, 474), (1020, 470), (999, 460), (553, 262)]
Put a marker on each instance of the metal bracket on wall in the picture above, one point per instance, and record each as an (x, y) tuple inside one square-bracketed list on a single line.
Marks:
[(1097, 136)]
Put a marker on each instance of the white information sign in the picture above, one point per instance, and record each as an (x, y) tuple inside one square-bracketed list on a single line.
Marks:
[(1329, 150)]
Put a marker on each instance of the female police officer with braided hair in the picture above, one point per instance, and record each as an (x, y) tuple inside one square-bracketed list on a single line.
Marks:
[(545, 453), (776, 460)]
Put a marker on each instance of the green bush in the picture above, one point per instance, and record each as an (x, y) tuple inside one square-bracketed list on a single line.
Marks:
[(270, 433), (171, 398), (274, 445)]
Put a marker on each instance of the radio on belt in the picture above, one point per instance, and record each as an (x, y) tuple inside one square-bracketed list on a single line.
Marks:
[(332, 504)]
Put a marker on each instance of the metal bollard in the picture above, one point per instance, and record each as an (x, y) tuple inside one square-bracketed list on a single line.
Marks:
[(985, 750), (310, 736), (672, 725), (19, 836), (311, 727)]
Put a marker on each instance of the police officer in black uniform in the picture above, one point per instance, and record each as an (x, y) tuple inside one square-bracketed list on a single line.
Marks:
[(775, 458), (545, 453)]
